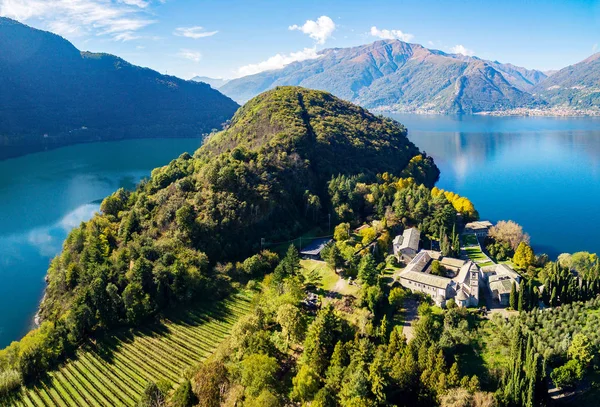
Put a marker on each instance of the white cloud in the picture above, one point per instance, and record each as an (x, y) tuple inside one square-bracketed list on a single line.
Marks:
[(118, 19), (138, 3), (391, 34), (278, 61), (193, 32), (594, 47), (126, 36), (319, 30), (190, 54), (460, 49)]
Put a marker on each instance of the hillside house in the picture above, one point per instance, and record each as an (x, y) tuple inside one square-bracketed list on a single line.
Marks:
[(313, 250), (406, 245), (479, 228)]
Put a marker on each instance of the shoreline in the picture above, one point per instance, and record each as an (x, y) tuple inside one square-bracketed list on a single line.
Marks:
[(517, 112), (37, 318)]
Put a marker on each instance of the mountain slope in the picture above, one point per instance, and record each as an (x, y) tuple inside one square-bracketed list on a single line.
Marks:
[(268, 176), (395, 75), (215, 83), (52, 94), (576, 86)]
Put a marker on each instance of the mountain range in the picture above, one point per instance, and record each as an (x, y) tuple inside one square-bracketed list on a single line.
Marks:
[(394, 75), (52, 94)]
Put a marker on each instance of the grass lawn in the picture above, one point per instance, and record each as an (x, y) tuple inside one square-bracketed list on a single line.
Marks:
[(330, 281), (475, 254), (470, 240)]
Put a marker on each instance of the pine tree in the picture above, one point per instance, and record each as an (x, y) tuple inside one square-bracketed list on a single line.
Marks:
[(453, 378), (383, 329)]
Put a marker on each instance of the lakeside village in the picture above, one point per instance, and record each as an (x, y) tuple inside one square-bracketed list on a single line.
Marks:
[(470, 280)]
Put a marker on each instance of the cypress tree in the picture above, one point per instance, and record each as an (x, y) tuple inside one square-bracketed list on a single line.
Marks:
[(553, 298), (514, 297), (522, 299)]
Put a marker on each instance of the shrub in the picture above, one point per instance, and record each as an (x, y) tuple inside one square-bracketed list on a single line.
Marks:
[(183, 396), (9, 381)]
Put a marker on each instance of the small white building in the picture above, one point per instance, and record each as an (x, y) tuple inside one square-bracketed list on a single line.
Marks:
[(480, 228), (406, 245)]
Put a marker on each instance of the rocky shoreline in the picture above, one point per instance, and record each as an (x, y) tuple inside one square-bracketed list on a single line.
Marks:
[(37, 318)]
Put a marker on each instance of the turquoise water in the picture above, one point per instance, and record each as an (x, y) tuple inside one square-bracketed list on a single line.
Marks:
[(44, 195), (543, 173)]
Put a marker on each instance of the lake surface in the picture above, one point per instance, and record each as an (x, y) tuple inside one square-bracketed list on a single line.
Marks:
[(44, 195), (543, 173)]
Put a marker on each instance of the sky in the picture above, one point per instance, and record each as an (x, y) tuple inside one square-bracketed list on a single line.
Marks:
[(233, 38)]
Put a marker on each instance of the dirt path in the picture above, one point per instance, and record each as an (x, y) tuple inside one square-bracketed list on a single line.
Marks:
[(410, 315)]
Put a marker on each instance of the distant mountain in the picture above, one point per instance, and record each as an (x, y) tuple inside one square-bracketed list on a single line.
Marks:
[(51, 94), (395, 75), (215, 83), (576, 86)]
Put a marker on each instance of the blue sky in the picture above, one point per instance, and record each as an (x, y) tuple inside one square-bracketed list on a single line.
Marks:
[(229, 38)]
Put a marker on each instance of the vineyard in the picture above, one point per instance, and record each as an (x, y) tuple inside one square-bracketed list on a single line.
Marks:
[(114, 371)]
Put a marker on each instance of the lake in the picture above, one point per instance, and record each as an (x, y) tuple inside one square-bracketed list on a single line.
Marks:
[(543, 173), (44, 195)]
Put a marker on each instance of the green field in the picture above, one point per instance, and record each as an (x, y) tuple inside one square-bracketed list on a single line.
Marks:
[(330, 281), (114, 371)]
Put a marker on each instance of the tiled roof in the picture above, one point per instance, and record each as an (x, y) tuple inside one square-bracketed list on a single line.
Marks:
[(477, 225), (502, 286), (410, 239), (427, 279)]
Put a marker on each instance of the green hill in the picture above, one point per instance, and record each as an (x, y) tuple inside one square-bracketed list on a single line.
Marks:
[(166, 243), (52, 94)]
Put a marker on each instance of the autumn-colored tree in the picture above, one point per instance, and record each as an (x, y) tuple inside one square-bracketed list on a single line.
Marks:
[(524, 256), (509, 232)]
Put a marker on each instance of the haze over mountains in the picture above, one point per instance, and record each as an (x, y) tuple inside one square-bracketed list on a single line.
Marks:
[(397, 76), (52, 94), (215, 83)]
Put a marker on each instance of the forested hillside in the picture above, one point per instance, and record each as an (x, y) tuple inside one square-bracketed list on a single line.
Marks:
[(162, 245), (51, 94)]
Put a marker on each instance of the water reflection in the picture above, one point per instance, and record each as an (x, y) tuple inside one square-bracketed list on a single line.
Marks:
[(541, 172), (43, 196)]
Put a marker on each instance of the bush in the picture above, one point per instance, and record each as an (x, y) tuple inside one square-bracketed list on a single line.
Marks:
[(152, 396), (567, 375), (9, 381), (183, 396)]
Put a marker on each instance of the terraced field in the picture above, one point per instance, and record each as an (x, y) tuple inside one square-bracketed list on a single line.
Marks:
[(114, 371)]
